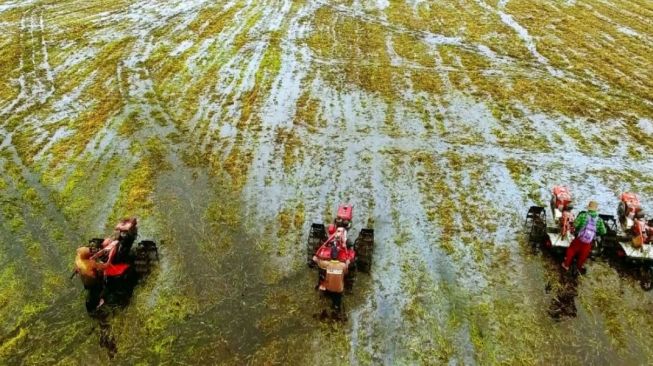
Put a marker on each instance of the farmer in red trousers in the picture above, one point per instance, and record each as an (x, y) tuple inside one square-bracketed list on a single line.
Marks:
[(588, 224)]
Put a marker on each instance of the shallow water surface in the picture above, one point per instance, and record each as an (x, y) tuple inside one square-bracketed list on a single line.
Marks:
[(228, 127)]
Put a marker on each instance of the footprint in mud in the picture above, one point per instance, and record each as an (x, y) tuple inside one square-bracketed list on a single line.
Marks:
[(331, 315), (563, 304), (107, 340)]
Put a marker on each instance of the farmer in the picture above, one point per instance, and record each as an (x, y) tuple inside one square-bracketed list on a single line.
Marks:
[(332, 275), (566, 221), (91, 274), (109, 246), (588, 224), (340, 237), (125, 232), (336, 270), (640, 230), (88, 269)]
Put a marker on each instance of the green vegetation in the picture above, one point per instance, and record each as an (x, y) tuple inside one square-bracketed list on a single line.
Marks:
[(360, 46), (228, 128), (521, 174)]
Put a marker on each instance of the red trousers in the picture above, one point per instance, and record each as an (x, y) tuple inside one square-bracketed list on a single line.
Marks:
[(580, 249)]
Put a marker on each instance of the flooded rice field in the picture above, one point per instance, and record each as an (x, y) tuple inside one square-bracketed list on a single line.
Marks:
[(228, 127)]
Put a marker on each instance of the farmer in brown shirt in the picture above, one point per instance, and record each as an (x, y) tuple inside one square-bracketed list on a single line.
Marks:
[(335, 271), (89, 270)]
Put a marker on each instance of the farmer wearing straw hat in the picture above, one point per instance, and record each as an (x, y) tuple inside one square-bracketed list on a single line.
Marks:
[(588, 224), (640, 230)]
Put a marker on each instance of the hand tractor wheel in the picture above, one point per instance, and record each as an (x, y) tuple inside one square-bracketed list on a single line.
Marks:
[(146, 252), (535, 225), (364, 250), (316, 237), (597, 249)]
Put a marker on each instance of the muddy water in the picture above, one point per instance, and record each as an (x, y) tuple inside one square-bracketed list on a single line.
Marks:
[(229, 127)]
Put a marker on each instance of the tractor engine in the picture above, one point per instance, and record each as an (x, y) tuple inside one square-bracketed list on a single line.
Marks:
[(628, 205), (560, 199), (344, 216)]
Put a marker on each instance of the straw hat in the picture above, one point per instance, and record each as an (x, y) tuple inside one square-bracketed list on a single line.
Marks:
[(84, 252), (593, 206)]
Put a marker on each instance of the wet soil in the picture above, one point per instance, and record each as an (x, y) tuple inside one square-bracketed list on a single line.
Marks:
[(229, 127)]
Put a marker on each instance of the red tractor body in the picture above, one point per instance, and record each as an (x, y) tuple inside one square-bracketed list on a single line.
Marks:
[(124, 266), (345, 212), (632, 202), (628, 206), (323, 245), (561, 197), (344, 216)]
